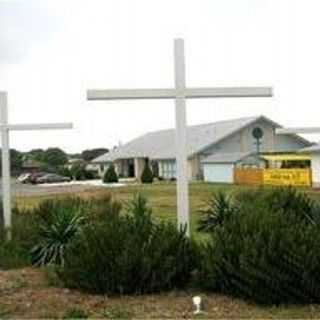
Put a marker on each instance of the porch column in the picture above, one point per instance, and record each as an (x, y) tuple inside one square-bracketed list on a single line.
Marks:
[(139, 164)]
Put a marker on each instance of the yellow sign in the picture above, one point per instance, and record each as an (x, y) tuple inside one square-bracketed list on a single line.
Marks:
[(287, 177)]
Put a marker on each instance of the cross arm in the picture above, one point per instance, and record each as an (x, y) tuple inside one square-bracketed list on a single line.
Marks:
[(298, 130), (38, 126), (232, 92)]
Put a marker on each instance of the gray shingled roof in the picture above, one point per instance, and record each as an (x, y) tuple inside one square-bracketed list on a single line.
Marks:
[(314, 148), (161, 144), (226, 157)]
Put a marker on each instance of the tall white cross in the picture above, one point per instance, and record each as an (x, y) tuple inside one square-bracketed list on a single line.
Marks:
[(5, 128), (180, 92)]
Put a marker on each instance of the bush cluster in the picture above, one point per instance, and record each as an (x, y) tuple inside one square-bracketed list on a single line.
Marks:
[(16, 252), (59, 221), (110, 175), (264, 246), (128, 254), (147, 175), (79, 172)]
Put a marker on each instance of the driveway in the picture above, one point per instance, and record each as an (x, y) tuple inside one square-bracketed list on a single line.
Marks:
[(28, 190)]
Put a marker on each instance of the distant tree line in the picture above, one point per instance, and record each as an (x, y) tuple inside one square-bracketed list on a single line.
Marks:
[(51, 159)]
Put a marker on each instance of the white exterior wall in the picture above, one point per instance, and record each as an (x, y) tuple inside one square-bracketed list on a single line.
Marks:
[(101, 168), (315, 165), (288, 143), (243, 141)]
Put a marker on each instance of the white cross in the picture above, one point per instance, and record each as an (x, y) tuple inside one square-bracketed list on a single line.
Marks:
[(180, 93), (5, 128)]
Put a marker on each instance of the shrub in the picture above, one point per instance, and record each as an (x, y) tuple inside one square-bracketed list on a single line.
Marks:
[(90, 174), (78, 172), (219, 209), (110, 175), (147, 175), (15, 253), (128, 253), (59, 220), (66, 172), (268, 252), (58, 223)]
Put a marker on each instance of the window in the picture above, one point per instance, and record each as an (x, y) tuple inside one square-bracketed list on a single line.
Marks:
[(169, 169)]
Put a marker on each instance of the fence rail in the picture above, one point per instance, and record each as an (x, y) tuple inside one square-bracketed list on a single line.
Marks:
[(248, 176), (276, 177)]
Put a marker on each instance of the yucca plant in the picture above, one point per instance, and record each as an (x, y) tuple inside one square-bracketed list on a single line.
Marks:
[(55, 231), (219, 208)]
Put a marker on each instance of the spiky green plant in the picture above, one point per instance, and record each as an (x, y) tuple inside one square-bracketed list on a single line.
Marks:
[(55, 231), (219, 208)]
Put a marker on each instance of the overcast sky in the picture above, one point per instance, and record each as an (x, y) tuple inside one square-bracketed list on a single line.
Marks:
[(52, 51)]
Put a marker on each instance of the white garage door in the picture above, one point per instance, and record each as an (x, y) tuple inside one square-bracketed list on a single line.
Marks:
[(214, 172)]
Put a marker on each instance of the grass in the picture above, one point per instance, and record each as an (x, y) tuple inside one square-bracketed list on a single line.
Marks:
[(161, 197)]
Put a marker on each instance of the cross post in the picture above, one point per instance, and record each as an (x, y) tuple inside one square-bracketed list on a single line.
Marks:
[(5, 129), (180, 93)]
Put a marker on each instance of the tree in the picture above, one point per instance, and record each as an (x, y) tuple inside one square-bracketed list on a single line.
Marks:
[(147, 175), (16, 160), (36, 154), (90, 154), (110, 176), (55, 157)]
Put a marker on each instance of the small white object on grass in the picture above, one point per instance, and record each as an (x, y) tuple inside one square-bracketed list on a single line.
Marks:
[(197, 302)]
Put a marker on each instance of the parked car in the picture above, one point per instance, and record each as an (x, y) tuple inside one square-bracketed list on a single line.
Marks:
[(52, 178), (24, 178), (35, 175)]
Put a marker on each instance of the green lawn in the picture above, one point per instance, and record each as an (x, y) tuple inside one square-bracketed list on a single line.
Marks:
[(162, 197)]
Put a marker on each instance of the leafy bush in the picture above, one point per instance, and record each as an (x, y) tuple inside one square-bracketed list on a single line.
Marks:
[(110, 175), (219, 209), (66, 172), (147, 174), (128, 253), (79, 172), (15, 253), (268, 252)]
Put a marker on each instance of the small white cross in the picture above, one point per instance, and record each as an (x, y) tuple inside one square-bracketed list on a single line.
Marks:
[(5, 128), (180, 92)]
